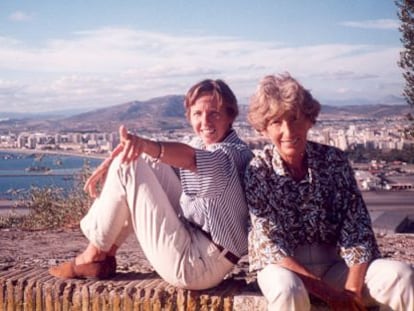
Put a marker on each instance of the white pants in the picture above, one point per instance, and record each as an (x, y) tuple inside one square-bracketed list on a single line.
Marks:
[(389, 284), (143, 198)]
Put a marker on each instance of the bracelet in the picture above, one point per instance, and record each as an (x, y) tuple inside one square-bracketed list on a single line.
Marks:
[(161, 153)]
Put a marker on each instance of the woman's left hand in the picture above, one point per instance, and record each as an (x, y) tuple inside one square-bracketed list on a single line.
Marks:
[(98, 176), (130, 148)]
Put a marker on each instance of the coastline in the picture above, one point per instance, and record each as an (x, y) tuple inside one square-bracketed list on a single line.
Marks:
[(54, 152), (8, 204)]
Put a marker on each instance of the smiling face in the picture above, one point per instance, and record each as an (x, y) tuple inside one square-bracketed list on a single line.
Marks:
[(209, 119), (289, 134)]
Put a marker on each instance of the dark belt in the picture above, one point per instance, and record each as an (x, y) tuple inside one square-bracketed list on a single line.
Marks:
[(228, 255)]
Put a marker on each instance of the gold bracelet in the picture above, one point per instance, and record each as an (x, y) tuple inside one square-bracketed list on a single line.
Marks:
[(161, 153)]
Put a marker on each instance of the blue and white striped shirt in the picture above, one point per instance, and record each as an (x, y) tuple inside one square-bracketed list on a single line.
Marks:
[(213, 197)]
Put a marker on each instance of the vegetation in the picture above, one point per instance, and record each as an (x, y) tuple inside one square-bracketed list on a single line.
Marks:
[(52, 207), (406, 16), (361, 154), (406, 62), (409, 131)]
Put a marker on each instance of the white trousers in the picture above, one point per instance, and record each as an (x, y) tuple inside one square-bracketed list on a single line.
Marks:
[(389, 284), (143, 198)]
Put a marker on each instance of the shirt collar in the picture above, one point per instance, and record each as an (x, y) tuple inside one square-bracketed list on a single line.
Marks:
[(280, 168)]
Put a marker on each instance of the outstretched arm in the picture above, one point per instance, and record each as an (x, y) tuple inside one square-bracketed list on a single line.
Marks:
[(172, 153), (132, 146)]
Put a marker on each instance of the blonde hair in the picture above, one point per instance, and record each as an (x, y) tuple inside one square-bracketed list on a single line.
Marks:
[(277, 95), (218, 89)]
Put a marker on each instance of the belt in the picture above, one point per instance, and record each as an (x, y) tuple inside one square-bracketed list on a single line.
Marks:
[(229, 255)]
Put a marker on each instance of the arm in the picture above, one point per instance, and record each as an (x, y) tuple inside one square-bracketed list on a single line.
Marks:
[(132, 146), (99, 174), (355, 279), (357, 239), (173, 153)]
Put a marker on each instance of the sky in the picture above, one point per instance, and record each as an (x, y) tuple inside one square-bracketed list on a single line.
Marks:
[(90, 54)]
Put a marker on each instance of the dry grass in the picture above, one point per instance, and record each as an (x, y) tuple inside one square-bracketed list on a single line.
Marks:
[(51, 207)]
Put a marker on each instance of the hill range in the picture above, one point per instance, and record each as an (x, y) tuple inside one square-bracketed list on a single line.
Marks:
[(167, 113)]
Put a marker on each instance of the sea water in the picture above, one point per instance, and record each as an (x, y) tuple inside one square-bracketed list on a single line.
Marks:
[(19, 172)]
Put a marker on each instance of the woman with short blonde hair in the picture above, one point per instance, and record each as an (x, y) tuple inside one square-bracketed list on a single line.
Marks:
[(310, 229)]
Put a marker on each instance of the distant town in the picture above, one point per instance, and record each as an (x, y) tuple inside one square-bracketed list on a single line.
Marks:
[(378, 133)]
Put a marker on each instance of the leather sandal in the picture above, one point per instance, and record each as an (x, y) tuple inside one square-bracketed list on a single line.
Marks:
[(99, 269)]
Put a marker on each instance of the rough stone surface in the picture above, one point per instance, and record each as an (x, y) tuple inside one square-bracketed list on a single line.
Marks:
[(26, 255)]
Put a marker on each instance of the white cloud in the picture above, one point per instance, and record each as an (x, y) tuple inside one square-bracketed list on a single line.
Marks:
[(392, 24), (20, 16), (109, 66), (9, 87)]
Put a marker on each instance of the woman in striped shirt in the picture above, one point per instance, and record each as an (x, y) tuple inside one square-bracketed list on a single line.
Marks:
[(191, 225)]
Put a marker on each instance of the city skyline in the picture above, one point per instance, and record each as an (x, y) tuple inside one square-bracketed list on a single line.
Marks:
[(101, 53)]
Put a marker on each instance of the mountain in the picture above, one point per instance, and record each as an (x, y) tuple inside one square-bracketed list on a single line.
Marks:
[(167, 113), (389, 100), (365, 111)]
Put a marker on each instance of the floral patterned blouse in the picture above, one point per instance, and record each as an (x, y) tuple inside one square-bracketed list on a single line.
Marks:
[(325, 207)]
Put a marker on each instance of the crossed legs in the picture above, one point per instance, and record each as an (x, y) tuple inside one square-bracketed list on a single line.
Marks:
[(144, 198)]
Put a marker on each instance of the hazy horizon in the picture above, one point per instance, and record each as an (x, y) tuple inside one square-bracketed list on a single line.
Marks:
[(96, 54), (398, 101)]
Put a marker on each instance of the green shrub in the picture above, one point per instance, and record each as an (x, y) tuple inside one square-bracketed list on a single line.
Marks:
[(51, 207)]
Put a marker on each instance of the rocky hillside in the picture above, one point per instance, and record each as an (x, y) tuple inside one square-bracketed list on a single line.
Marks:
[(167, 113)]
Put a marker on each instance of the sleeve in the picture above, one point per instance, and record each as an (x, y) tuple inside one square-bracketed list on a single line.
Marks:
[(214, 168), (267, 239), (357, 240)]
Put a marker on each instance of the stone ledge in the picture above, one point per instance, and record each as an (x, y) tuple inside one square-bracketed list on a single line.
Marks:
[(35, 289), (26, 285)]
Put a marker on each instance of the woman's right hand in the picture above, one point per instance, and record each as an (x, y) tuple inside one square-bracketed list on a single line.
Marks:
[(133, 145)]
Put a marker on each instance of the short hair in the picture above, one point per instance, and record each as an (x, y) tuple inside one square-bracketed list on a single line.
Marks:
[(277, 95), (219, 90)]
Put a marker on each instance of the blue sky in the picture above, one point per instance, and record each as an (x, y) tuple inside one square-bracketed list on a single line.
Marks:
[(57, 55)]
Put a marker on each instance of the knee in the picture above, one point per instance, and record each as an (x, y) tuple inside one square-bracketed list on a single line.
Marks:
[(402, 276), (283, 289), (393, 275), (391, 283), (293, 294)]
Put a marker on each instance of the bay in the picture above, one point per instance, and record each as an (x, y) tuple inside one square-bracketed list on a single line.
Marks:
[(21, 171)]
